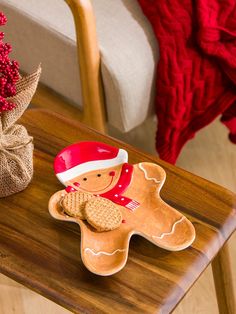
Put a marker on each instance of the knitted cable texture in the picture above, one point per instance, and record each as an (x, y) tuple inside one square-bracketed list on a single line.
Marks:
[(196, 74)]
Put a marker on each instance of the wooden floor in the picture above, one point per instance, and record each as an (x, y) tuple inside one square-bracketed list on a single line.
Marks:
[(209, 155)]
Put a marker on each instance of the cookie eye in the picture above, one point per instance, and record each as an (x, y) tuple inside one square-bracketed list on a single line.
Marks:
[(99, 175), (85, 179)]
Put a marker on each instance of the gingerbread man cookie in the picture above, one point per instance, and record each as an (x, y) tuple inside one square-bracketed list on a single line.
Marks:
[(132, 205)]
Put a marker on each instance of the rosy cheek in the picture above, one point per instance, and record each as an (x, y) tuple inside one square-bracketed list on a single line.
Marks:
[(69, 189), (112, 173)]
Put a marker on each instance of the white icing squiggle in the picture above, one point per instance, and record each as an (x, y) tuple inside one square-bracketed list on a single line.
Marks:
[(101, 252), (172, 229), (146, 176)]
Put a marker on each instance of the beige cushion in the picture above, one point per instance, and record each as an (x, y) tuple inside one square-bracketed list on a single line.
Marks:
[(43, 31)]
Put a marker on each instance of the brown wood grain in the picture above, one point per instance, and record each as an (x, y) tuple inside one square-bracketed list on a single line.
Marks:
[(221, 268), (44, 254)]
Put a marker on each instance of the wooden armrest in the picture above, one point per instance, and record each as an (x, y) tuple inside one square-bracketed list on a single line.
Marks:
[(89, 63)]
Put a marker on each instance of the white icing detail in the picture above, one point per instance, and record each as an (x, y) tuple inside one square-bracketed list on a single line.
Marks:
[(132, 205), (116, 195), (126, 170), (172, 229), (122, 198), (146, 176), (69, 174), (101, 252), (119, 185)]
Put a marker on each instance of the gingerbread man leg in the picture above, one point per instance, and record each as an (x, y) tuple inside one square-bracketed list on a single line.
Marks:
[(103, 253)]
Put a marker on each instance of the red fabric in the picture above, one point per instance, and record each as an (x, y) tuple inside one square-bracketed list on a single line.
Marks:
[(196, 74)]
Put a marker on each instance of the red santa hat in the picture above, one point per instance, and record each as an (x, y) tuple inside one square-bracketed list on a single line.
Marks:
[(83, 157)]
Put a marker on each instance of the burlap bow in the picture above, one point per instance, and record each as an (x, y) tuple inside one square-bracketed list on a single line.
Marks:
[(16, 148)]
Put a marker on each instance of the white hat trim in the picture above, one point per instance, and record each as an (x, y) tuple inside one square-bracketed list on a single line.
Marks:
[(76, 171)]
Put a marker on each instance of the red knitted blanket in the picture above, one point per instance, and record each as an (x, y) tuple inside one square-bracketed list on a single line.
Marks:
[(196, 74)]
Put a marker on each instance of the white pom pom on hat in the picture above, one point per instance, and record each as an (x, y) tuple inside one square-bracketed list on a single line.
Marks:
[(83, 157)]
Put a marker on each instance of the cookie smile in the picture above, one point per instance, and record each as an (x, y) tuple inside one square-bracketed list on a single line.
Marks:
[(95, 191)]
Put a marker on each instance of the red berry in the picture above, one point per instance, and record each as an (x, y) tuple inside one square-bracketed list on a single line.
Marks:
[(3, 19), (9, 72)]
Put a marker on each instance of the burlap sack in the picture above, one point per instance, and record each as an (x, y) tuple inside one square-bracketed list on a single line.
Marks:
[(16, 147)]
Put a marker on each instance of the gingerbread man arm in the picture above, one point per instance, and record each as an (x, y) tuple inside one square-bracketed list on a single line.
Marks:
[(161, 223), (55, 209), (153, 173)]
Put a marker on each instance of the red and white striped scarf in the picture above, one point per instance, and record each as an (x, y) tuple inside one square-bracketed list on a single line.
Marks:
[(116, 193)]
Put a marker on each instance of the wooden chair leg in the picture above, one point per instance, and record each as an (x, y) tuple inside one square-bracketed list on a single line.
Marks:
[(223, 282)]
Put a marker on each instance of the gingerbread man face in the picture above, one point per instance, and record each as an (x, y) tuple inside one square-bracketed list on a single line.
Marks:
[(111, 201), (97, 181)]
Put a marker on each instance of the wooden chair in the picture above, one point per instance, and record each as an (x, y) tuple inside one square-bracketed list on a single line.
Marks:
[(93, 102)]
